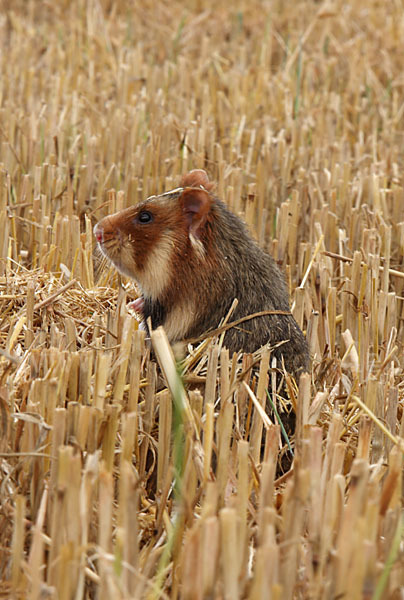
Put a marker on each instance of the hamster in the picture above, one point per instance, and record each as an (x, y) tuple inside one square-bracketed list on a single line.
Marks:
[(191, 257)]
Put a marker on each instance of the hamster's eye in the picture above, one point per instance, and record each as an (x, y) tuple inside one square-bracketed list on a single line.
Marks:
[(145, 217)]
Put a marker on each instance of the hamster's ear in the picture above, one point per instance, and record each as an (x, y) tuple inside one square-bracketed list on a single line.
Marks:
[(196, 178), (195, 206)]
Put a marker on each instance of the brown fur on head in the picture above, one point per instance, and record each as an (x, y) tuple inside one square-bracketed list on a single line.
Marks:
[(197, 178)]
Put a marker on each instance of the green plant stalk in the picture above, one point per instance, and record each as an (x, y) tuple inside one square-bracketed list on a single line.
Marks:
[(391, 559), (179, 464), (283, 430)]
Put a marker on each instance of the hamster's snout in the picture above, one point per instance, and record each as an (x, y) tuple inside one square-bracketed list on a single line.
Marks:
[(98, 232)]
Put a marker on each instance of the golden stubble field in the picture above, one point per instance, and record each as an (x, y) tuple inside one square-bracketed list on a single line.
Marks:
[(116, 481)]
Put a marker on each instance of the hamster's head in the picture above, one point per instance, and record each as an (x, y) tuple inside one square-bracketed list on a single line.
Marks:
[(146, 241)]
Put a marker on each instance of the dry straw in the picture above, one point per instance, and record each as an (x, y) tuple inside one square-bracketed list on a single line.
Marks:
[(126, 475)]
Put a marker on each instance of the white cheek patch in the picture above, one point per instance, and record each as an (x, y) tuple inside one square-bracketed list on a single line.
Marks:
[(125, 262), (157, 271), (121, 257), (197, 246)]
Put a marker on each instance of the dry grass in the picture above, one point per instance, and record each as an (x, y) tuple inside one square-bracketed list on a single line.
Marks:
[(107, 487)]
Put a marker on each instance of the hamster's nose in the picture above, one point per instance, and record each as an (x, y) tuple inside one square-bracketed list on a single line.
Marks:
[(98, 232)]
